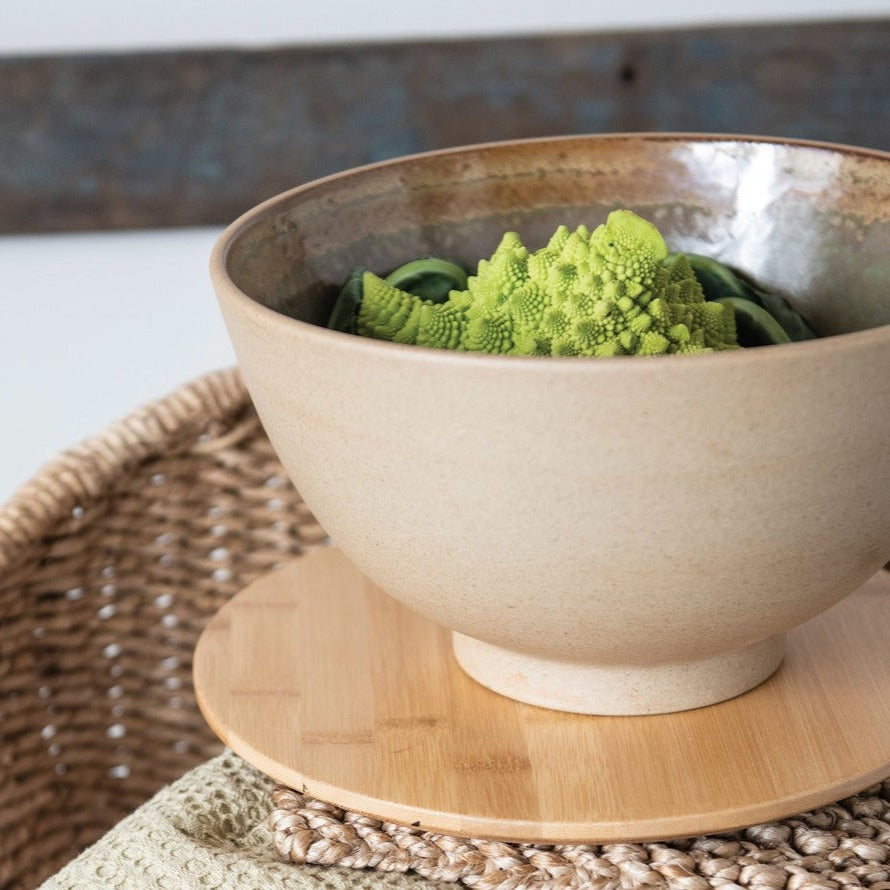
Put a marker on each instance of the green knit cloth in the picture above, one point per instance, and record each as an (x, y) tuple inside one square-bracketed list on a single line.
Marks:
[(208, 831)]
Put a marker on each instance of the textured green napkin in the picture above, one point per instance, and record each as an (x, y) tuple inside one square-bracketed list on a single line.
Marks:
[(208, 830)]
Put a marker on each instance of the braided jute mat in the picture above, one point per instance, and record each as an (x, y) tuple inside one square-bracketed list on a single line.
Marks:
[(843, 845)]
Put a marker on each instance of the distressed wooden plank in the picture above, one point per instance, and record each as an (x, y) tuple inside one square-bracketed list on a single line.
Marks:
[(180, 138)]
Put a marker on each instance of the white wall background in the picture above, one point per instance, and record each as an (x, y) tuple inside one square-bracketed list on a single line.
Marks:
[(43, 26)]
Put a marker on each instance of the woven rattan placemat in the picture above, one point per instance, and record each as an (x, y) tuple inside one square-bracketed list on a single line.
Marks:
[(845, 845)]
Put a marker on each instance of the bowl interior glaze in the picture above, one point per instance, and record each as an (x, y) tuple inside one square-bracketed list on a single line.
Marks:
[(804, 219)]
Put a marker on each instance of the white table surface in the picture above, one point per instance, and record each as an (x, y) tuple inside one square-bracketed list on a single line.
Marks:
[(94, 325)]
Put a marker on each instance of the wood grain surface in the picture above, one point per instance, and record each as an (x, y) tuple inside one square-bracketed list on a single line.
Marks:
[(326, 684), (145, 139)]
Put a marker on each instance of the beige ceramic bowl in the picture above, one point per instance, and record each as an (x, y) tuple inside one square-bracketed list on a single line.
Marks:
[(612, 536)]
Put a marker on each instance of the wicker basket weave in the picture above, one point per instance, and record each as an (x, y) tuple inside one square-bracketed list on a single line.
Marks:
[(111, 560)]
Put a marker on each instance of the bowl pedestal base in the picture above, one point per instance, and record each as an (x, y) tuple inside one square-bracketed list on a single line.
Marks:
[(624, 689)]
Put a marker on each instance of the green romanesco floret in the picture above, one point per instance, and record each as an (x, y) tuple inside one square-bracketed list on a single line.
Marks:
[(602, 293)]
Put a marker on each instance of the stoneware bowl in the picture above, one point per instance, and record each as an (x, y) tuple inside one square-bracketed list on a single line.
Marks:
[(610, 536)]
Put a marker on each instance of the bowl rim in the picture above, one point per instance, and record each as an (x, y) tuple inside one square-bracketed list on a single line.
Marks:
[(382, 350)]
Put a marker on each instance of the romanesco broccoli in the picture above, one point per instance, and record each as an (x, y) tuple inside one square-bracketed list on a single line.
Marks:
[(601, 293)]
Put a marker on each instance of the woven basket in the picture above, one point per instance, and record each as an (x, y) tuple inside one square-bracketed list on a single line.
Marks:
[(111, 560)]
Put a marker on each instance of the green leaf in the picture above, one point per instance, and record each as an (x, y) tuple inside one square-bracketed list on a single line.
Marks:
[(718, 280), (795, 325), (346, 307), (754, 325), (430, 279)]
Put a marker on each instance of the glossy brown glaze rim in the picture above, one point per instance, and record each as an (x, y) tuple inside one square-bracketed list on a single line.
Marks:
[(268, 317)]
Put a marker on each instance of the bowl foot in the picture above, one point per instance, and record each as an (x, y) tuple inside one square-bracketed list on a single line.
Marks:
[(585, 688)]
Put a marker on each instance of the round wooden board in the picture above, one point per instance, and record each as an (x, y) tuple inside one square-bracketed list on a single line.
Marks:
[(325, 683)]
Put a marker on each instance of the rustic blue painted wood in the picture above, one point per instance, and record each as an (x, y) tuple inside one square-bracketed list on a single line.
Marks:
[(178, 138)]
